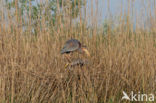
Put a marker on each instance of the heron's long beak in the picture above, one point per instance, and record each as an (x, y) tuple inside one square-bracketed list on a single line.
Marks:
[(86, 51)]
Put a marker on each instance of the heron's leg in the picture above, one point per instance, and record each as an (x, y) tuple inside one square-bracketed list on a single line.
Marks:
[(66, 65)]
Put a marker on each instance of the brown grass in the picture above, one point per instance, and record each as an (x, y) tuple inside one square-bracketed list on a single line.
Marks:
[(32, 68)]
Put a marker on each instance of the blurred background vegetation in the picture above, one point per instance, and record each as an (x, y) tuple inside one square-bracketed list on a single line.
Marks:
[(32, 12)]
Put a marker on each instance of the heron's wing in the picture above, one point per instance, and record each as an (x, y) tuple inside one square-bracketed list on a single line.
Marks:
[(70, 46), (79, 62)]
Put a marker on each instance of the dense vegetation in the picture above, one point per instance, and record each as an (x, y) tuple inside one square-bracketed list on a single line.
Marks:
[(32, 68)]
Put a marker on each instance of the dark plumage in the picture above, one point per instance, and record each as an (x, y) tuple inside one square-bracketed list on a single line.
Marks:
[(79, 62), (74, 45), (70, 46)]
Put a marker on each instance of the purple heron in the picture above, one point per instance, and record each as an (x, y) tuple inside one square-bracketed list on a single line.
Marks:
[(74, 45)]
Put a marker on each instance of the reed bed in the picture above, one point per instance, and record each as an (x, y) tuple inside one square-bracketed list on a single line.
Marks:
[(32, 70)]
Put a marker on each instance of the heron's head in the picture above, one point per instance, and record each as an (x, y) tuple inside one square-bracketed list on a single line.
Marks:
[(84, 49)]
